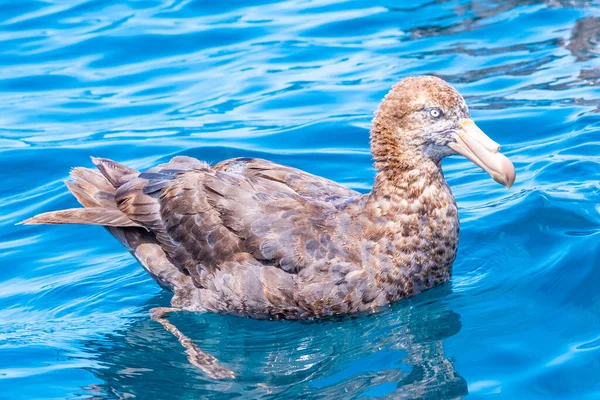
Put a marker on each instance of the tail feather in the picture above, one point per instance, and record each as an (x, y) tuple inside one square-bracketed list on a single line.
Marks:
[(113, 171), (95, 190), (83, 196), (86, 216), (91, 188), (93, 177)]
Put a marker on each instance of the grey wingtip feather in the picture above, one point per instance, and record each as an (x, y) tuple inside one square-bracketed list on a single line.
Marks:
[(40, 219), (30, 221), (84, 216), (98, 161), (74, 170)]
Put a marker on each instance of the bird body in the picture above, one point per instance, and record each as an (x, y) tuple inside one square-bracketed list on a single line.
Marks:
[(254, 238)]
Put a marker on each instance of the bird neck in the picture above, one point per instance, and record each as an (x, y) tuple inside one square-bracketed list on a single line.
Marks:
[(402, 169), (410, 217)]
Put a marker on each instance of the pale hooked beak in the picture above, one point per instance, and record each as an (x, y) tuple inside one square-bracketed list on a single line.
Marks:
[(475, 145)]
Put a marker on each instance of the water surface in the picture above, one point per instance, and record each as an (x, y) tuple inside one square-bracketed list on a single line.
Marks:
[(297, 82)]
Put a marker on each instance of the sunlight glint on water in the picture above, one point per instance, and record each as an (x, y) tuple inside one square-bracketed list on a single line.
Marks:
[(297, 82)]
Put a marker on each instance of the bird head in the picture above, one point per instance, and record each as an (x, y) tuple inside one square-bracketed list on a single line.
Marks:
[(426, 117)]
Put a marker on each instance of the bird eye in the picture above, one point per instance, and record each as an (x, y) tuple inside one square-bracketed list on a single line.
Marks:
[(435, 112)]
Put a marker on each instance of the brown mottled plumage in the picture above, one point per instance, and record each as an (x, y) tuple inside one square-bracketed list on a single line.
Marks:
[(253, 238)]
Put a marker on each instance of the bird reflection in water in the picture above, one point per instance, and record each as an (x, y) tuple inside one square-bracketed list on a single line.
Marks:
[(397, 353)]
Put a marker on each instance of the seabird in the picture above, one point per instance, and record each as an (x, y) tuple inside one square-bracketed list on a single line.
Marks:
[(254, 238)]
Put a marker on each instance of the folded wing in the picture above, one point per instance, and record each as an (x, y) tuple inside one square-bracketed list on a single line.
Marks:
[(240, 210)]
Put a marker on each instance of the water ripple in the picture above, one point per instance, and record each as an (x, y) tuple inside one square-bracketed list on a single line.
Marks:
[(297, 82)]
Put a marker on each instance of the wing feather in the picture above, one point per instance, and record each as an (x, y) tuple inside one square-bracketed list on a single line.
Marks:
[(206, 217)]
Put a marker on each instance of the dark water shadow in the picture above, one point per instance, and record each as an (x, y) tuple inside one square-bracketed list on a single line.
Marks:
[(397, 353)]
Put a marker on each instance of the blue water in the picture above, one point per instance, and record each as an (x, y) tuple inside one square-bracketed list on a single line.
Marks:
[(297, 82)]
